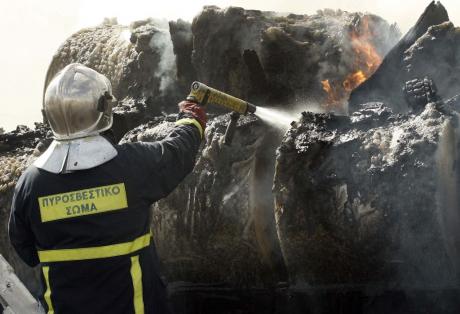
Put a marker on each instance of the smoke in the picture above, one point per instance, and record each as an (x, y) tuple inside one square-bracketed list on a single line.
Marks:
[(166, 70), (125, 35), (282, 119)]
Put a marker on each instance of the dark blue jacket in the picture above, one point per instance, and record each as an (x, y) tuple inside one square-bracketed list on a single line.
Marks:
[(90, 229)]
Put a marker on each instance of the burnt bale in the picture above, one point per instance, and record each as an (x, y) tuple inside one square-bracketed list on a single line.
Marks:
[(139, 61), (371, 199), (281, 60)]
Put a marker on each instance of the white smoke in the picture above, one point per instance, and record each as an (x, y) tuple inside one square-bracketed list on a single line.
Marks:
[(166, 71), (125, 35)]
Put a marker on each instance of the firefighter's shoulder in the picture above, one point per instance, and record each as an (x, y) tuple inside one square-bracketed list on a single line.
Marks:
[(28, 177)]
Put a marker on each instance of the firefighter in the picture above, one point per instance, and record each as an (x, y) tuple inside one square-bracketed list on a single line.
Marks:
[(81, 210)]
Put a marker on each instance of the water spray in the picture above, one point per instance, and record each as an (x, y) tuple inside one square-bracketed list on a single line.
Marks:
[(203, 95)]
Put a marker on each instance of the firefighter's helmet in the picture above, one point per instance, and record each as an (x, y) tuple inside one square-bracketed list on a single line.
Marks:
[(78, 103)]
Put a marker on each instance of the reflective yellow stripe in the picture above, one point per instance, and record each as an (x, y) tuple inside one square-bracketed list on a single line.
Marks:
[(47, 295), (91, 201), (78, 254), (191, 121), (136, 276)]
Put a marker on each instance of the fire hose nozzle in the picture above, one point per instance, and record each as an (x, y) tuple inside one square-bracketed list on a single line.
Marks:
[(203, 95), (251, 108)]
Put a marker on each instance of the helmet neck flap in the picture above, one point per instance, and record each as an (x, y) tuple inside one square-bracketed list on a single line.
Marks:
[(77, 154)]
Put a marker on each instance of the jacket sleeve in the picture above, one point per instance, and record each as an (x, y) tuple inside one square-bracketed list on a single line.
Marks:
[(171, 159), (19, 230)]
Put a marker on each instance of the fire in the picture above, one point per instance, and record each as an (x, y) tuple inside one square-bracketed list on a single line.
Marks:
[(333, 95), (327, 86), (354, 80), (366, 62)]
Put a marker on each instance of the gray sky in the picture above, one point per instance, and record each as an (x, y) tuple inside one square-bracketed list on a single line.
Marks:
[(32, 30)]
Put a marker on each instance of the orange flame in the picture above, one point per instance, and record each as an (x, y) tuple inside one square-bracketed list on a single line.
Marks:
[(354, 80), (366, 62), (333, 95), (327, 86)]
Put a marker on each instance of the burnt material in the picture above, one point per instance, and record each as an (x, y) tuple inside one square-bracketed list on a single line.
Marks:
[(364, 190), (259, 86), (280, 60), (23, 138), (434, 55), (182, 40), (419, 93)]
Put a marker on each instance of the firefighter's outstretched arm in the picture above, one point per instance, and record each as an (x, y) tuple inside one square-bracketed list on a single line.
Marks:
[(174, 156)]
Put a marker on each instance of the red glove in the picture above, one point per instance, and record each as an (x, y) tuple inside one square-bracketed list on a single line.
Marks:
[(188, 109)]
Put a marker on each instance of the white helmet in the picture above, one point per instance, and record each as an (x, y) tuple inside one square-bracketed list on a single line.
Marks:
[(78, 103), (78, 108)]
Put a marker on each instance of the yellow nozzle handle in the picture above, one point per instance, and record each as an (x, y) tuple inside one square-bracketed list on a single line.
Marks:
[(207, 95)]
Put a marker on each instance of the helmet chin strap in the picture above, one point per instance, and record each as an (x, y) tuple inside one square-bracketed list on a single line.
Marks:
[(103, 101)]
